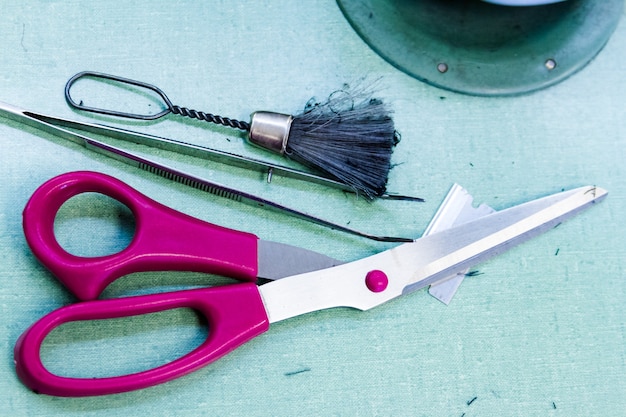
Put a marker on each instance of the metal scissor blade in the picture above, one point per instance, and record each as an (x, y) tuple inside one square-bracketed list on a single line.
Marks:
[(412, 266), (279, 260), (476, 241)]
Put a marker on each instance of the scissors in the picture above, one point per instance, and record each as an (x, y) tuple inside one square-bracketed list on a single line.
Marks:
[(169, 240)]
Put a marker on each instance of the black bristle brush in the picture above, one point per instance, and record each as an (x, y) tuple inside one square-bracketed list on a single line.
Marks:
[(349, 137)]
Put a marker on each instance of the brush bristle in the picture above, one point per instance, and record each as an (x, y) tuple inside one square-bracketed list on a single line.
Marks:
[(350, 141)]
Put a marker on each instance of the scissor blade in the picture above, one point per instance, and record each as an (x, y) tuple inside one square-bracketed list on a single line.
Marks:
[(491, 235), (412, 266), (279, 260)]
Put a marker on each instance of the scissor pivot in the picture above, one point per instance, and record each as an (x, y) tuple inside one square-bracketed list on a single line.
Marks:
[(376, 280)]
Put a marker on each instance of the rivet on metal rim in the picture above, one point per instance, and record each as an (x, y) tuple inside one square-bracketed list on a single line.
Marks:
[(550, 64), (442, 67)]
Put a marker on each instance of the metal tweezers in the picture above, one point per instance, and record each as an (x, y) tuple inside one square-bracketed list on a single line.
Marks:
[(61, 128)]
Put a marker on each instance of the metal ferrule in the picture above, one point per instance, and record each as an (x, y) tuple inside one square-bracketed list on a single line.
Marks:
[(270, 130)]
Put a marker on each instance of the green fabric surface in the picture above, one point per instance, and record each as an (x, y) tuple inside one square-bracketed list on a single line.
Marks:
[(540, 331)]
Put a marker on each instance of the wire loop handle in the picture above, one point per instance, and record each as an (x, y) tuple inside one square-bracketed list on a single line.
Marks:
[(90, 74), (170, 108)]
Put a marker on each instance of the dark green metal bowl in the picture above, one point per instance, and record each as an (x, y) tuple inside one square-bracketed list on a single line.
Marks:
[(479, 48)]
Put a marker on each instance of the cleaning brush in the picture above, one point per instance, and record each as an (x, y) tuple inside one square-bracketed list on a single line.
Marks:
[(349, 137)]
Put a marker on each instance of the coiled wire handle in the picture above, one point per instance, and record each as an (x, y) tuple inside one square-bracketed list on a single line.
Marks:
[(170, 108)]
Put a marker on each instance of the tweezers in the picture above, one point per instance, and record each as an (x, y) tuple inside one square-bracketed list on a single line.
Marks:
[(61, 128)]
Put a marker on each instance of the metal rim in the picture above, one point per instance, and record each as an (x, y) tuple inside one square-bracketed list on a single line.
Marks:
[(479, 48)]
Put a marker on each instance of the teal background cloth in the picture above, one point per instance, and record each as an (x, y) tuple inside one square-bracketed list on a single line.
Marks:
[(540, 330)]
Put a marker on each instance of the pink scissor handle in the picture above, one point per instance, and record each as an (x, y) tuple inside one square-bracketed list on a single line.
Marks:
[(235, 314), (164, 239)]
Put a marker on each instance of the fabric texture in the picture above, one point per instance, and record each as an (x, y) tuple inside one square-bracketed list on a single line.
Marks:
[(540, 330)]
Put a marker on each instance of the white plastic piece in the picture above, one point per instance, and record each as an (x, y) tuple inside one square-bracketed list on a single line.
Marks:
[(455, 210)]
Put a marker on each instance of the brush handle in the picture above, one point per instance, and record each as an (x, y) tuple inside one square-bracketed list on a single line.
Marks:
[(209, 117)]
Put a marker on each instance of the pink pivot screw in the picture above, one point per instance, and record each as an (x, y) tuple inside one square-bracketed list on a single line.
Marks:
[(376, 280)]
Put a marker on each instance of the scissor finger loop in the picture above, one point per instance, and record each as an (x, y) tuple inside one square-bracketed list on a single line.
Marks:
[(164, 239), (234, 313)]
